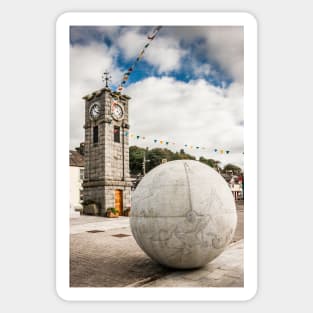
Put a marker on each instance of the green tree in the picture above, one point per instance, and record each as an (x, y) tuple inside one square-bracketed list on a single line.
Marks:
[(211, 162), (154, 158), (233, 168), (136, 156), (182, 155)]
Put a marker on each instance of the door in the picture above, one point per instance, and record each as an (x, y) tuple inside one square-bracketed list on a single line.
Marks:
[(119, 201)]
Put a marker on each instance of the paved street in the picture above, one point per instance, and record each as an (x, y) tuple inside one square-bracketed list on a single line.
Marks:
[(88, 223), (104, 254)]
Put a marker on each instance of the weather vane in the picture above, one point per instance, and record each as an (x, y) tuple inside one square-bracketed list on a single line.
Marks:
[(106, 78)]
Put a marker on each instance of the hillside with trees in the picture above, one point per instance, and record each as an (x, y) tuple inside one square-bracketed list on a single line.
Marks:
[(155, 156)]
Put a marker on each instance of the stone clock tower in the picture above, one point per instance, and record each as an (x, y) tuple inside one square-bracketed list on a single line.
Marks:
[(107, 179)]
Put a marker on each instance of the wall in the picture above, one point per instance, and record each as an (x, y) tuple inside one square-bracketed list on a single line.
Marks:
[(75, 185)]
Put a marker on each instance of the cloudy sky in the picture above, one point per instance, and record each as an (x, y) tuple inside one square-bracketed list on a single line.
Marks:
[(187, 89)]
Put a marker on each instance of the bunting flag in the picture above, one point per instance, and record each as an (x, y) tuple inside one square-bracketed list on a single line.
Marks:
[(139, 57), (161, 141), (125, 78), (154, 32), (141, 54)]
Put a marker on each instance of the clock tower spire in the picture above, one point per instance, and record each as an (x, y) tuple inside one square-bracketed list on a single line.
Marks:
[(107, 180), (106, 78)]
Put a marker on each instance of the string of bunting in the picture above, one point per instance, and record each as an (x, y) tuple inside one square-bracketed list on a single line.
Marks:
[(126, 75), (167, 143), (125, 78)]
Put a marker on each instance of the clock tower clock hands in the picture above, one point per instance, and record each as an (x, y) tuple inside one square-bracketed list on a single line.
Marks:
[(117, 111), (94, 111), (108, 181)]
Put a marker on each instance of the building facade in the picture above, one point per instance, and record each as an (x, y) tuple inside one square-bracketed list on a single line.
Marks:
[(76, 181), (107, 180)]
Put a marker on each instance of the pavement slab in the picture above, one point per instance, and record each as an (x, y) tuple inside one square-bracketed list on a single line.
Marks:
[(225, 271), (99, 258)]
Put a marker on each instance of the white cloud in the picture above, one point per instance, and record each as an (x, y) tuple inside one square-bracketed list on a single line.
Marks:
[(165, 53), (223, 44), (205, 69), (88, 34), (194, 113), (131, 42), (87, 63)]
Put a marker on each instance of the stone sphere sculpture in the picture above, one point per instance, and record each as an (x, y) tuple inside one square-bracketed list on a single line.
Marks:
[(183, 214)]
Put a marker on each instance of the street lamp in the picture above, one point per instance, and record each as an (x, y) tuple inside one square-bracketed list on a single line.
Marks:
[(144, 164)]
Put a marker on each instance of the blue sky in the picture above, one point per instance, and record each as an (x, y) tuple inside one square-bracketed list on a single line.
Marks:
[(196, 55), (187, 88)]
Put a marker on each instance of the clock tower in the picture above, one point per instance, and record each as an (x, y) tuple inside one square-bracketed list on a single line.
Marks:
[(107, 180)]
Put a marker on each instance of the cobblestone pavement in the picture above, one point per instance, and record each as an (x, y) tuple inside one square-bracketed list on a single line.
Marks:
[(99, 258)]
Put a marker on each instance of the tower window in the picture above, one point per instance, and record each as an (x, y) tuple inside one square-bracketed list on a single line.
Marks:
[(95, 134), (117, 134)]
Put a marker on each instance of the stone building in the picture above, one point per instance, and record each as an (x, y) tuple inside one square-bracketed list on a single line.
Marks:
[(76, 180), (107, 180)]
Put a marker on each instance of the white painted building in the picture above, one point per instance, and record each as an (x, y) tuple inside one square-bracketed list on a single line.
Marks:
[(236, 188), (76, 180)]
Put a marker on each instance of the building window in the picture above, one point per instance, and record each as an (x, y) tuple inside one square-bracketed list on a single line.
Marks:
[(81, 174), (95, 134), (117, 134)]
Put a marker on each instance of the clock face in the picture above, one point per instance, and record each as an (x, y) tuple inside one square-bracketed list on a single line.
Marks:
[(117, 111), (94, 111)]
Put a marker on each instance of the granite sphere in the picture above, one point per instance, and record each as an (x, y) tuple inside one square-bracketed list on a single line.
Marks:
[(183, 214)]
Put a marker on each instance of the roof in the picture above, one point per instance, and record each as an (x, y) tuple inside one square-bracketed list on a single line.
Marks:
[(76, 159), (101, 91)]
